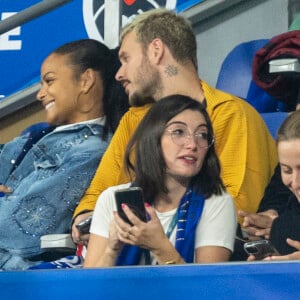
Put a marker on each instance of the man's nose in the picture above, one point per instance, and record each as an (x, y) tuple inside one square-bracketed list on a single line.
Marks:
[(119, 74)]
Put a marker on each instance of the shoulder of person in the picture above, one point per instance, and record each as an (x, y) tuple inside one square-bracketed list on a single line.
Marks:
[(222, 198), (138, 111), (112, 189), (133, 117), (219, 99)]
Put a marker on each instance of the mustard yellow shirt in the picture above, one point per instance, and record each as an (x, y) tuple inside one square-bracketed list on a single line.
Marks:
[(244, 145)]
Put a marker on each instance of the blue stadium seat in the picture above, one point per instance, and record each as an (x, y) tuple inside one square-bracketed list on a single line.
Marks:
[(32, 129), (235, 77), (273, 121)]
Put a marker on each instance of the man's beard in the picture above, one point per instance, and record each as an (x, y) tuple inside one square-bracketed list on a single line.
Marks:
[(150, 87)]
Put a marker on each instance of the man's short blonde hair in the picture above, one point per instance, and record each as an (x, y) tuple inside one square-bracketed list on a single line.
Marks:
[(174, 31)]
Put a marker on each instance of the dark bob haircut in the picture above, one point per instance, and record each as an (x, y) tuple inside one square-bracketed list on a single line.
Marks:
[(149, 167)]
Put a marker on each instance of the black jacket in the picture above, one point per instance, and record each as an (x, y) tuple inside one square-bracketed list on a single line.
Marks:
[(287, 225)]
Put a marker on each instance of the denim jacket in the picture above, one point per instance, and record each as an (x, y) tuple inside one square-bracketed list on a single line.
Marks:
[(47, 186)]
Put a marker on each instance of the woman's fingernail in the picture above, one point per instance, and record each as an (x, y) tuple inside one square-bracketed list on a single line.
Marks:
[(147, 204)]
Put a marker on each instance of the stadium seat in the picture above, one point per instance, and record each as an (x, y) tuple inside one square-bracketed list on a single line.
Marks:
[(235, 77), (273, 121), (32, 129)]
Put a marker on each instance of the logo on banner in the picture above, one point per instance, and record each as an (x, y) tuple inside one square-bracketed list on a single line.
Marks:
[(95, 12)]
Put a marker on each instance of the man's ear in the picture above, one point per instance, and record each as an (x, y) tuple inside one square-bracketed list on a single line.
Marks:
[(87, 80), (156, 50)]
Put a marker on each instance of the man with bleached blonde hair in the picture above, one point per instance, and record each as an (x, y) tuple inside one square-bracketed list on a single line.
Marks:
[(158, 56)]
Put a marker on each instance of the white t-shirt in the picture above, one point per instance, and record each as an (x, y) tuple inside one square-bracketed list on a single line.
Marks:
[(217, 226)]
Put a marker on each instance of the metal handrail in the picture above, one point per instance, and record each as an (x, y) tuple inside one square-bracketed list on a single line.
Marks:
[(18, 100), (30, 13)]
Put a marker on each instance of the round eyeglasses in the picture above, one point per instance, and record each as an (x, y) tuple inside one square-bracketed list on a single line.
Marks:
[(180, 135)]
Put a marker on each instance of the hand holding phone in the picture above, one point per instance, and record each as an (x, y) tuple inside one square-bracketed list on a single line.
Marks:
[(260, 249), (84, 226), (133, 198)]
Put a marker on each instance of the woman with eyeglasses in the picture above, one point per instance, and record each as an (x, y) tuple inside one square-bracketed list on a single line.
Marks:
[(190, 217)]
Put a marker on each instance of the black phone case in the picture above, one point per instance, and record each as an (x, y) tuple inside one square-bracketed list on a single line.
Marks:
[(84, 226), (133, 198), (260, 249)]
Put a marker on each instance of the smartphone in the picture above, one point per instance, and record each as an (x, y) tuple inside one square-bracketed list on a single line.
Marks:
[(260, 249), (133, 198), (84, 226)]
